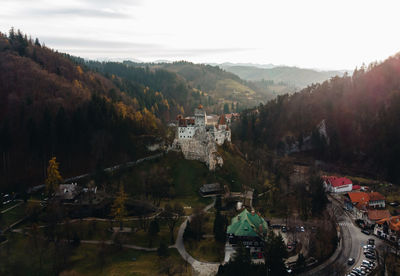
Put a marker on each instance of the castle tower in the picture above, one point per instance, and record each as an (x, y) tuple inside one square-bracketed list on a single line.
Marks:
[(200, 116)]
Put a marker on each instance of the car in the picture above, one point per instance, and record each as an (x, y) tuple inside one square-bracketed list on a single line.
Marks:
[(284, 230), (370, 256), (351, 261), (371, 241), (366, 232), (302, 228)]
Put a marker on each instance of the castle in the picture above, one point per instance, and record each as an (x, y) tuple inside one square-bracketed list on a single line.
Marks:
[(198, 136)]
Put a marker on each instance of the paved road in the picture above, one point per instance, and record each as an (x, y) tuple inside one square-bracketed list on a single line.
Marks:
[(202, 268), (350, 247)]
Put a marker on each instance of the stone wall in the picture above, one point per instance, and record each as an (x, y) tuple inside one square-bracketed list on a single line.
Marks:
[(201, 147)]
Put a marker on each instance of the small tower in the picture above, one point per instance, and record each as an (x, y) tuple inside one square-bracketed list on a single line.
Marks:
[(200, 117)]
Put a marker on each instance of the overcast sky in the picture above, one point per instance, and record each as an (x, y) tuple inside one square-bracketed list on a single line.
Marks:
[(326, 34)]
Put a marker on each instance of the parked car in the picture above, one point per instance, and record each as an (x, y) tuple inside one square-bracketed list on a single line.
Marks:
[(350, 261), (370, 256), (284, 229), (371, 241), (302, 228), (366, 232)]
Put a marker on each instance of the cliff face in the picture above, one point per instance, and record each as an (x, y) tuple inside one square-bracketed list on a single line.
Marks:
[(201, 147)]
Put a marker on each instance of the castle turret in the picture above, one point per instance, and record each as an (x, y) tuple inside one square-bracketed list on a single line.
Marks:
[(200, 116)]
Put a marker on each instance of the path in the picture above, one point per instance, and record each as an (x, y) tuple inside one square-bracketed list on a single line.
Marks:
[(203, 268), (12, 207)]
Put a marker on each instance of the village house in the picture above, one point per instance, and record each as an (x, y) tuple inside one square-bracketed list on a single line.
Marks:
[(250, 229), (68, 192), (212, 189), (388, 228), (367, 206), (336, 184)]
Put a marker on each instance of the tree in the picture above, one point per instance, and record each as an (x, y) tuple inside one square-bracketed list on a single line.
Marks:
[(154, 228), (194, 227), (53, 176), (162, 251), (301, 262), (172, 216), (226, 108), (118, 210), (275, 252), (220, 227)]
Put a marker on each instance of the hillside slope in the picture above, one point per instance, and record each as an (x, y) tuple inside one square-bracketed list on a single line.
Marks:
[(224, 91), (53, 106), (295, 76), (362, 115)]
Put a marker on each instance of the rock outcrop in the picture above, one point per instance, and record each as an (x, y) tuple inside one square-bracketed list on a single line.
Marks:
[(201, 147)]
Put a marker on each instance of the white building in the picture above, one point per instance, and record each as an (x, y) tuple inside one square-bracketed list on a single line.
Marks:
[(218, 129), (335, 184)]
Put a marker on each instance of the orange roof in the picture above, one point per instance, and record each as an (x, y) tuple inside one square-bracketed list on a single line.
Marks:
[(394, 222), (374, 196), (222, 120), (378, 214), (358, 197)]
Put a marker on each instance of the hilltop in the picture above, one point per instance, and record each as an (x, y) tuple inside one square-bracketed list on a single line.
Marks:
[(298, 77)]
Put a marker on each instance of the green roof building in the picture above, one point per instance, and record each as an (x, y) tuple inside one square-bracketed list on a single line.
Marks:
[(247, 226)]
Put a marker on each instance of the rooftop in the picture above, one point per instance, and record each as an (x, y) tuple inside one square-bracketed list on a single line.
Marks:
[(247, 224)]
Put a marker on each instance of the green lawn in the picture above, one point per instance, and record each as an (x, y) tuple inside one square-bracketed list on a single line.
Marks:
[(87, 261), (207, 250), (142, 238), (20, 256)]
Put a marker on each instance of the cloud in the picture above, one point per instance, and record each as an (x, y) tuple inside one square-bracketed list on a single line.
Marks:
[(92, 44), (83, 12)]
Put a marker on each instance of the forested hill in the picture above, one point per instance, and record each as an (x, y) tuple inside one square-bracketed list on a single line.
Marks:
[(225, 91), (298, 77), (362, 115), (53, 105)]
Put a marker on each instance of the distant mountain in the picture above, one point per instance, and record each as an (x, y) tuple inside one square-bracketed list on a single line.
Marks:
[(230, 64), (225, 90), (294, 76)]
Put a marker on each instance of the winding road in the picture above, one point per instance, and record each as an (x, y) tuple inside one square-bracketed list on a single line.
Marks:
[(351, 243), (202, 268)]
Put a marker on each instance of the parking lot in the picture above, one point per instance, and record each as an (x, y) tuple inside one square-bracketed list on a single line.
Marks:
[(367, 263)]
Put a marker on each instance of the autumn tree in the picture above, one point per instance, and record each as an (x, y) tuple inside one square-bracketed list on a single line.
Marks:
[(53, 176), (118, 210)]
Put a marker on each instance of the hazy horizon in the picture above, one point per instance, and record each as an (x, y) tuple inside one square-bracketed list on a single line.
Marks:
[(338, 35)]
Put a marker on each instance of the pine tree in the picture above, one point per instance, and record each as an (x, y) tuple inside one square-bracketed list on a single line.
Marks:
[(118, 210), (219, 227), (53, 176)]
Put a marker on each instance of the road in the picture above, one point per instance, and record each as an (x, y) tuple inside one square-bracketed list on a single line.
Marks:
[(202, 268), (350, 247)]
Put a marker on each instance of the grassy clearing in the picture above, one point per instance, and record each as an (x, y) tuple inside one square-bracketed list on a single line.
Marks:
[(86, 261), (142, 238), (207, 250)]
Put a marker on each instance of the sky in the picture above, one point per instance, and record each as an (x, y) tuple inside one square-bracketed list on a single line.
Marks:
[(324, 34)]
